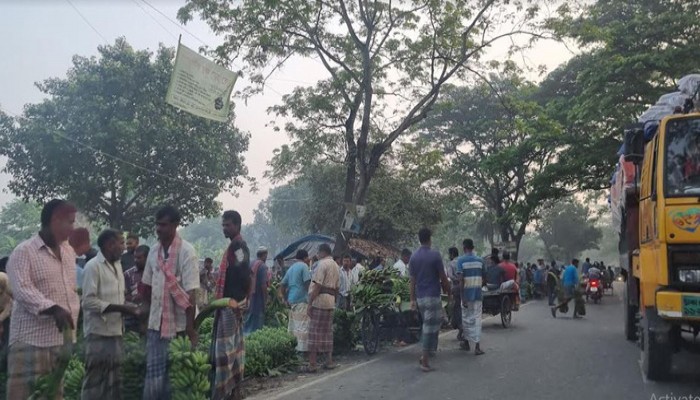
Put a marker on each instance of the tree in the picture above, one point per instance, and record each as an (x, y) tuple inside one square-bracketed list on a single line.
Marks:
[(387, 63), (567, 229), (18, 222), (502, 147), (634, 52), (313, 203), (106, 140)]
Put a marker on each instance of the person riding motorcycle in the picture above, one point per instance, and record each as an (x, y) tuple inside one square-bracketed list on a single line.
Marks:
[(593, 274)]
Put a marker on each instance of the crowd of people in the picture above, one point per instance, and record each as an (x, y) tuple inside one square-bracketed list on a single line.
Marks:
[(156, 291)]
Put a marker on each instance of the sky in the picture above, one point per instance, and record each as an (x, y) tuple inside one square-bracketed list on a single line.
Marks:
[(39, 37)]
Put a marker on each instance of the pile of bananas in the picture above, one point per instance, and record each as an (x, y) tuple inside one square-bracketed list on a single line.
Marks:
[(73, 378), (189, 371)]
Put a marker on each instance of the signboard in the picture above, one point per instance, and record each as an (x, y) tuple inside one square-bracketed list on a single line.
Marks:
[(200, 86), (353, 215)]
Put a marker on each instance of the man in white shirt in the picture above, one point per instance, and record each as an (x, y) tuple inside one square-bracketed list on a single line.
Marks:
[(402, 264), (357, 270), (103, 305)]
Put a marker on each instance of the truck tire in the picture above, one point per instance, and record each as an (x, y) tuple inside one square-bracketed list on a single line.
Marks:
[(630, 318), (657, 352)]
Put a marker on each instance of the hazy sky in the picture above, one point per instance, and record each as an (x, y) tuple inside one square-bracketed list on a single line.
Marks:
[(39, 37)]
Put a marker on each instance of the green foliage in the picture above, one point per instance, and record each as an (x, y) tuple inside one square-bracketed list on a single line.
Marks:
[(313, 202), (269, 350), (207, 237), (567, 229), (378, 288), (503, 148), (112, 106), (633, 53), (346, 332), (276, 312), (18, 222), (386, 63)]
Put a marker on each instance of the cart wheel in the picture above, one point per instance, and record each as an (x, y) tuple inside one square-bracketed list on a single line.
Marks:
[(370, 331), (506, 311)]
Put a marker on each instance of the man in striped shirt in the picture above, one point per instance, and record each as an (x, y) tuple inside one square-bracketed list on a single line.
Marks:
[(42, 275), (471, 269)]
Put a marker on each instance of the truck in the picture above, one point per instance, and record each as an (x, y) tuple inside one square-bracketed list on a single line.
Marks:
[(655, 205)]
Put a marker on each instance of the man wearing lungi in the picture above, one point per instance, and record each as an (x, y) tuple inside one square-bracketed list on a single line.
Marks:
[(322, 292), (294, 289), (427, 275), (172, 272), (234, 282), (41, 272), (103, 306), (471, 269)]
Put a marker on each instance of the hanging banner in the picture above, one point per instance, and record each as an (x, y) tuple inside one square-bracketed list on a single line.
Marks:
[(353, 215), (200, 86)]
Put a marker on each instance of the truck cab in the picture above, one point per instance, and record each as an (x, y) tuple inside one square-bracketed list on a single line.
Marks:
[(663, 285)]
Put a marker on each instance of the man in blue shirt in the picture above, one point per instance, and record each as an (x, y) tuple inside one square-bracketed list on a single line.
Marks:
[(471, 269), (427, 275), (294, 289), (569, 281)]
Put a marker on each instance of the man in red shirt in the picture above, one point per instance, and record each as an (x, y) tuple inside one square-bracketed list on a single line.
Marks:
[(511, 274)]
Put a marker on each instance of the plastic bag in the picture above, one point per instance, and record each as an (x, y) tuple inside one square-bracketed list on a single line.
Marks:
[(689, 84), (656, 113), (673, 100)]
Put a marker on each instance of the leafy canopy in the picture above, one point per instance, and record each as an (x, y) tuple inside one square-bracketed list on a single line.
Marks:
[(105, 139)]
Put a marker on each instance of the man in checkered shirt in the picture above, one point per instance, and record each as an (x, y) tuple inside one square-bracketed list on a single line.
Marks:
[(42, 275)]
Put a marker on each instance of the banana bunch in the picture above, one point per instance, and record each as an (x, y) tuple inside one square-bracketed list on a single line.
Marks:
[(189, 371), (73, 378)]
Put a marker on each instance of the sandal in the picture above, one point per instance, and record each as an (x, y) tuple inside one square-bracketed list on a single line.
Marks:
[(331, 366), (478, 352)]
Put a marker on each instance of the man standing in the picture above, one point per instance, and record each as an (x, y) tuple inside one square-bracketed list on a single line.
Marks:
[(427, 275), (258, 293), (41, 271), (357, 270), (402, 264), (455, 290), (234, 282), (103, 305), (294, 289), (569, 283), (552, 283), (172, 272), (206, 283), (136, 292), (346, 273), (127, 259), (322, 292), (79, 240), (471, 269)]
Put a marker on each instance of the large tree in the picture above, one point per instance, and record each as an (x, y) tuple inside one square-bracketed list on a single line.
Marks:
[(105, 139), (503, 148), (567, 228), (632, 53), (386, 63)]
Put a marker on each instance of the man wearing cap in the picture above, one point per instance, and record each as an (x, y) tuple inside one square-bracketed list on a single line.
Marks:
[(258, 293)]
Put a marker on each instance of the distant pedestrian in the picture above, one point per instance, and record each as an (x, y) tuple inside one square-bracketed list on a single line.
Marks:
[(569, 283), (294, 289), (455, 290), (427, 276), (127, 259), (347, 282), (322, 292), (137, 292), (257, 299), (552, 285), (79, 240), (586, 266), (471, 269), (401, 264)]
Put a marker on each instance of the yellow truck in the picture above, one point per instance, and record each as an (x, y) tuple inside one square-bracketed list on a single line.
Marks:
[(655, 202)]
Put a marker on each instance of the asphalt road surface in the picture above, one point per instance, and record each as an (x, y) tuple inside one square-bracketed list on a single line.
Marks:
[(538, 357)]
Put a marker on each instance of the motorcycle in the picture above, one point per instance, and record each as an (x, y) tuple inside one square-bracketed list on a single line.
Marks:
[(594, 290)]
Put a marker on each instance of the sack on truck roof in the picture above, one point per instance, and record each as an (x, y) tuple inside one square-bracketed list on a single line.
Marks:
[(655, 113), (673, 100), (689, 84)]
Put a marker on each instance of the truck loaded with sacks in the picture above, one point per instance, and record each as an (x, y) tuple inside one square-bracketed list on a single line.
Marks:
[(655, 205)]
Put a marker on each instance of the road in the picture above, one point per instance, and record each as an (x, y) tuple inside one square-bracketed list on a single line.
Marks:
[(539, 357)]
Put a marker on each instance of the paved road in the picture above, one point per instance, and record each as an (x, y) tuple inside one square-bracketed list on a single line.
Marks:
[(537, 358)]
